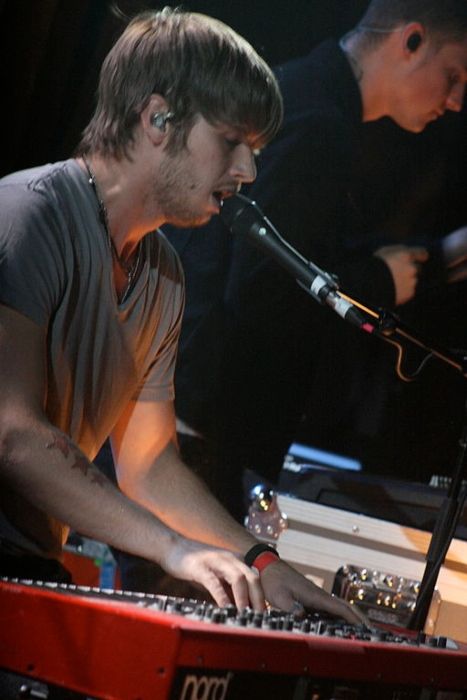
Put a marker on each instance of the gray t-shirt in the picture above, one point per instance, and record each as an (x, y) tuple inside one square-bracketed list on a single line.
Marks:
[(56, 269)]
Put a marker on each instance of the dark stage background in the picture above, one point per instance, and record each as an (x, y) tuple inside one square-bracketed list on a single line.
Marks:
[(51, 51)]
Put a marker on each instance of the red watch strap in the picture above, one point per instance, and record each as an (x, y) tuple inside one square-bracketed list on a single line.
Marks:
[(264, 559)]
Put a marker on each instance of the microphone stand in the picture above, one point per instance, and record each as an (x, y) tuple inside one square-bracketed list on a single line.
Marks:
[(243, 216), (443, 533), (388, 327)]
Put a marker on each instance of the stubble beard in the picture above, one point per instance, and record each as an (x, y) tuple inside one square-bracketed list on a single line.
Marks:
[(171, 192)]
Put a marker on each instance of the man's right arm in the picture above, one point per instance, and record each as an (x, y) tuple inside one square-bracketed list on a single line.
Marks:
[(42, 464)]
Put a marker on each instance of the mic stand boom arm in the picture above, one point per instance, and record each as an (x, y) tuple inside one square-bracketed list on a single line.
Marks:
[(387, 326), (244, 217)]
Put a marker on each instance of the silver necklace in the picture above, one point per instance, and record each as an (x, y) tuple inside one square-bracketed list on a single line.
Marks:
[(130, 269)]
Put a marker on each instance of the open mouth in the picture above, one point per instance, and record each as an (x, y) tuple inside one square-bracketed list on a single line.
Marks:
[(220, 195)]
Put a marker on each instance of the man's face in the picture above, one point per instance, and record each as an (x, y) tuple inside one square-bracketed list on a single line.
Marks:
[(190, 184), (433, 84)]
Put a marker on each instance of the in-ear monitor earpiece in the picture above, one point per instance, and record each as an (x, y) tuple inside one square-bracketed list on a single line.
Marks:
[(414, 41), (159, 119)]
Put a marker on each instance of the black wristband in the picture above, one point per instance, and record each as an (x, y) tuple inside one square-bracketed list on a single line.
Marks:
[(258, 549)]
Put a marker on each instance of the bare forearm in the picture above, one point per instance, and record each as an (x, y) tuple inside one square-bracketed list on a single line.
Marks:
[(42, 461), (176, 495)]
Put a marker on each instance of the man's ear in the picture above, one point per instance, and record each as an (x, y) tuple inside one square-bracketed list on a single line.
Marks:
[(412, 38), (155, 118)]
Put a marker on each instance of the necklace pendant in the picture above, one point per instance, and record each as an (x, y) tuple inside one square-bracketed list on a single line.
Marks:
[(129, 270)]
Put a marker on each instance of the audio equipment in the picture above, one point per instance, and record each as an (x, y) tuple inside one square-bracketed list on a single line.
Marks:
[(407, 503), (160, 119), (382, 596), (59, 641), (414, 41), (320, 540)]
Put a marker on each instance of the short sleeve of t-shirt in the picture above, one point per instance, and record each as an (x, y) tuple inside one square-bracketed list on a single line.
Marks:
[(56, 269), (31, 252)]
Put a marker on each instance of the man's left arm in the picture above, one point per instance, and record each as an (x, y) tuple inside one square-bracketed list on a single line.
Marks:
[(150, 471)]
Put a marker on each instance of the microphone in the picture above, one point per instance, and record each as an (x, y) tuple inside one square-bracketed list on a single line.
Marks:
[(244, 217)]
